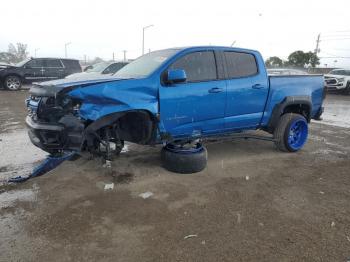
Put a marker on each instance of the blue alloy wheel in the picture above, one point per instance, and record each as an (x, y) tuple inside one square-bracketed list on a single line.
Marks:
[(298, 132)]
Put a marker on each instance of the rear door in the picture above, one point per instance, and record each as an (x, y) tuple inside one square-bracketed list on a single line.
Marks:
[(247, 90), (53, 69), (197, 106)]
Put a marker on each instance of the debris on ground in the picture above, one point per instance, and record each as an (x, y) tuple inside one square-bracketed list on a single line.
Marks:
[(333, 224), (47, 165), (109, 186), (146, 195), (190, 236), (321, 192), (247, 178), (108, 164), (238, 218)]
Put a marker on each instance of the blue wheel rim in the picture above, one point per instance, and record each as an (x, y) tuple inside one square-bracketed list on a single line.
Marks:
[(297, 134)]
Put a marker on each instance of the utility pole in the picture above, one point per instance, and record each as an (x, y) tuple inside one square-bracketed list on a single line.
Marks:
[(143, 38), (65, 48), (113, 56), (124, 51), (317, 49)]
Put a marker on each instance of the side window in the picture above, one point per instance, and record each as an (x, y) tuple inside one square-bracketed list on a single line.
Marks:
[(71, 64), (113, 68), (36, 63), (240, 64), (199, 66), (53, 63)]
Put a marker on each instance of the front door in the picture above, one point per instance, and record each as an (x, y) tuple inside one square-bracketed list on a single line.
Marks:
[(195, 107), (33, 70)]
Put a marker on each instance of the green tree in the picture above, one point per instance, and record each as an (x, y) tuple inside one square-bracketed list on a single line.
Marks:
[(302, 59), (274, 61)]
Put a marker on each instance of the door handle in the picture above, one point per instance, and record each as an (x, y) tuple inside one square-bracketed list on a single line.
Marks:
[(257, 86), (215, 90)]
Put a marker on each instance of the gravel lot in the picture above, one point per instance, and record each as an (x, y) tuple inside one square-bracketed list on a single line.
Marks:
[(252, 202)]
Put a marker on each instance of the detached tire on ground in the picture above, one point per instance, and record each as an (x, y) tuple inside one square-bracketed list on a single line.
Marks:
[(184, 160), (291, 132)]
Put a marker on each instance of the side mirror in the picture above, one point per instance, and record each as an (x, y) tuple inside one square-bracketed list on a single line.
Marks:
[(176, 76)]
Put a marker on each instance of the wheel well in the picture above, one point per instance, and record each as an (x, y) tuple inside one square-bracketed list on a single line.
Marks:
[(301, 109), (289, 105), (137, 126), (12, 74)]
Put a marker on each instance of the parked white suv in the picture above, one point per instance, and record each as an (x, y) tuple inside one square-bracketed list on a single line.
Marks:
[(338, 80)]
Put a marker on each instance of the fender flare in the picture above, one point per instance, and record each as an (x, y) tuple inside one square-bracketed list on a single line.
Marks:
[(288, 101)]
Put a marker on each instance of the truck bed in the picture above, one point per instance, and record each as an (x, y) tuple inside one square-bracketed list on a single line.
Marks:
[(282, 86)]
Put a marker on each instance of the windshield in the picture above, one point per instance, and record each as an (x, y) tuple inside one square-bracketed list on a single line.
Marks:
[(146, 64), (340, 72), (97, 68), (23, 62)]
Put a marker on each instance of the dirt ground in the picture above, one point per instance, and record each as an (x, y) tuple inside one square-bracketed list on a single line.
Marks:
[(252, 202)]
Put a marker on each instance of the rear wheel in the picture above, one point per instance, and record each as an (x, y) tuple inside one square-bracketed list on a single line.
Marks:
[(13, 83), (184, 159), (291, 132)]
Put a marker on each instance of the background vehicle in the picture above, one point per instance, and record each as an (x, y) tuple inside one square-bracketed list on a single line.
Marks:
[(338, 80), (103, 68), (285, 71), (36, 69), (176, 96)]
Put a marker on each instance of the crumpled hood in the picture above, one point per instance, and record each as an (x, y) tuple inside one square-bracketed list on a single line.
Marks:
[(52, 88)]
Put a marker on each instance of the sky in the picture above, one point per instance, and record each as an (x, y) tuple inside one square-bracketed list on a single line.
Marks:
[(101, 28)]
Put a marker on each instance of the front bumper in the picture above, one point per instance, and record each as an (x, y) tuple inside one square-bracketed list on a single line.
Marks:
[(56, 137)]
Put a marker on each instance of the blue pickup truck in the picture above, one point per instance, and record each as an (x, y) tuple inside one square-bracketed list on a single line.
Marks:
[(176, 97)]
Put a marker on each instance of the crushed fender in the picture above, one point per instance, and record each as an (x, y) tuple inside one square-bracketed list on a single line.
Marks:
[(47, 165)]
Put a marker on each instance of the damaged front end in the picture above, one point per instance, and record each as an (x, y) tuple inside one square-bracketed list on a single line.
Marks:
[(54, 123), (82, 118)]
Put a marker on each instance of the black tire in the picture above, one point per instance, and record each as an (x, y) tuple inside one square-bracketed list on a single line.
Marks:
[(184, 162), (346, 91), (282, 130), (13, 83)]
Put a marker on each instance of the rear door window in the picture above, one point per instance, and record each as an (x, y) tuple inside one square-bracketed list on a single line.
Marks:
[(240, 64), (199, 66), (71, 64), (53, 63)]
